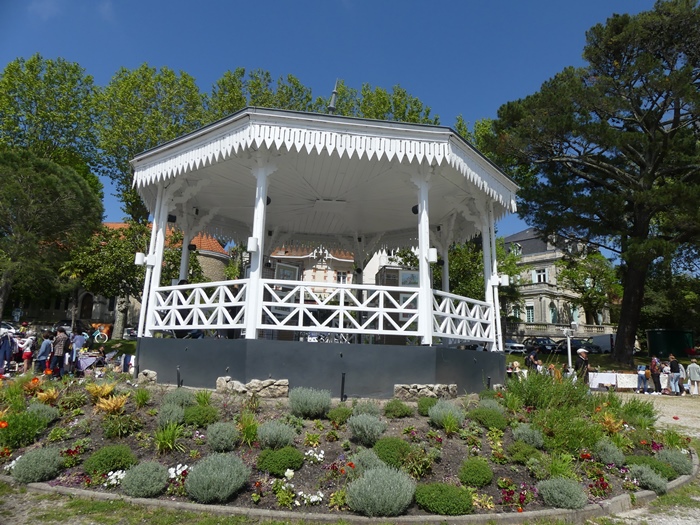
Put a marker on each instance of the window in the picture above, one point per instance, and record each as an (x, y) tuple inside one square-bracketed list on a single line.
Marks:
[(530, 313), (553, 313), (540, 276), (574, 314), (341, 277), (516, 312), (112, 304), (516, 249)]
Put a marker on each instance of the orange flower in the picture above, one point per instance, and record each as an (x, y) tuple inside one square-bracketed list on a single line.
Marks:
[(597, 409), (643, 442), (3, 424), (520, 509), (35, 380), (351, 464), (342, 471), (48, 372)]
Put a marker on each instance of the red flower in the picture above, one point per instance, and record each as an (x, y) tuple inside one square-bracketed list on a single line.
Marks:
[(520, 509), (3, 424), (676, 417), (643, 442), (342, 471), (351, 464)]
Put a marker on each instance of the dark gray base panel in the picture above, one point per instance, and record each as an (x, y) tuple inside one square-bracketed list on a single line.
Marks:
[(370, 370)]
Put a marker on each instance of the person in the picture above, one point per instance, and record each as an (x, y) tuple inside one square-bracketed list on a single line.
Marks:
[(60, 346), (531, 359), (78, 342), (581, 365), (655, 368), (675, 375), (693, 373), (642, 381), (22, 332), (27, 349), (44, 353), (681, 379)]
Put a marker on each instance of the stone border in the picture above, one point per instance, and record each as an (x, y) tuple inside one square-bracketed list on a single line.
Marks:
[(609, 507)]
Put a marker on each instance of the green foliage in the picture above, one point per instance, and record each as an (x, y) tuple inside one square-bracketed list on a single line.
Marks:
[(425, 404), (145, 480), (562, 493), (339, 414), (248, 427), (39, 464), (366, 429), (222, 436), (365, 459), (520, 452), (648, 478), (216, 478), (203, 397), (170, 413), (443, 499), (120, 425), (47, 413), (22, 429), (276, 462), (395, 409), (566, 429), (679, 460), (542, 392), (491, 404), (489, 418), (381, 491), (73, 399), (526, 433), (366, 407), (608, 453), (475, 472), (181, 397), (561, 465), (274, 434), (309, 403), (167, 438), (142, 397), (58, 434), (443, 411), (201, 415), (663, 469), (392, 451), (420, 459), (109, 458)]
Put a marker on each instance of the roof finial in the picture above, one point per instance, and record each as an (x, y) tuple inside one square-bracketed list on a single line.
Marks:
[(334, 95)]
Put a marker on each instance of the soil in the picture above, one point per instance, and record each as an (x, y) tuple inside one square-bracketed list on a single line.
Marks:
[(676, 412)]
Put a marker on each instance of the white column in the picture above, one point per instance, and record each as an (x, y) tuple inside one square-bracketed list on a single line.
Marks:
[(425, 295), (185, 255), (159, 225), (494, 279), (254, 296), (149, 268), (486, 253), (446, 269)]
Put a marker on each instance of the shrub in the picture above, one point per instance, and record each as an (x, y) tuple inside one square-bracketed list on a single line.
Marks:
[(203, 397), (201, 415), (648, 478), (395, 409), (532, 436), (366, 429), (274, 434), (679, 461), (638, 414), (444, 499), (567, 429), (222, 437), (216, 478), (662, 469), (392, 451), (248, 427), (120, 425), (562, 493), (425, 404), (276, 462), (492, 404), (170, 413), (180, 397), (167, 439), (444, 411), (142, 397), (39, 464), (608, 453), (366, 407), (73, 399), (489, 418), (366, 459), (381, 491), (109, 458), (340, 414), (520, 452), (475, 472), (46, 412), (309, 403), (145, 480), (22, 429)]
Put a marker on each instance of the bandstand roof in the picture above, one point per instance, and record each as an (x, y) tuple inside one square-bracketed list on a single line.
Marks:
[(336, 178)]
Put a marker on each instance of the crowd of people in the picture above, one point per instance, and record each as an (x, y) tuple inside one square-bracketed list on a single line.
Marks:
[(681, 381)]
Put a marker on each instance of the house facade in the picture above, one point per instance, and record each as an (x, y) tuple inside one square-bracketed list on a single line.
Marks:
[(547, 306)]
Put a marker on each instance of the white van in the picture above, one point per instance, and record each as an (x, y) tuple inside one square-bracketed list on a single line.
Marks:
[(606, 342)]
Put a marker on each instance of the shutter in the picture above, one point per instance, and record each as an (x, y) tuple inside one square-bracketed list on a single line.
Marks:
[(534, 276), (546, 275)]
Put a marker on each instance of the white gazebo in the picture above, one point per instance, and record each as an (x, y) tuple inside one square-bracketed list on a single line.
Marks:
[(267, 178)]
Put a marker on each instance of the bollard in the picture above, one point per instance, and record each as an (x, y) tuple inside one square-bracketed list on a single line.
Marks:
[(343, 397)]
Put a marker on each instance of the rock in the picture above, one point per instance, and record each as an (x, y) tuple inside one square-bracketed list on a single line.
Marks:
[(147, 376), (414, 391)]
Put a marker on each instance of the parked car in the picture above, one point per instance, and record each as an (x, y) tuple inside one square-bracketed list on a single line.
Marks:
[(546, 344), (130, 333), (511, 346), (80, 326), (576, 343), (7, 327)]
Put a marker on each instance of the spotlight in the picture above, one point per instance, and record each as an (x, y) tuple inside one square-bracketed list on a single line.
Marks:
[(415, 210), (269, 200), (172, 218), (191, 247)]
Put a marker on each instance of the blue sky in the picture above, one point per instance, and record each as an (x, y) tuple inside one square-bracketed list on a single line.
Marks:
[(463, 57)]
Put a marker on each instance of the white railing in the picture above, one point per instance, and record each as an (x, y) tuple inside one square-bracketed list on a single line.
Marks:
[(344, 310)]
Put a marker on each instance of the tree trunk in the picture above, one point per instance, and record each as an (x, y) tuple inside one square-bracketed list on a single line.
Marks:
[(5, 288), (632, 298)]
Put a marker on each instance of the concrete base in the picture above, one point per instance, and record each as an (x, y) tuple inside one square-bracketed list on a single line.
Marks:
[(370, 370)]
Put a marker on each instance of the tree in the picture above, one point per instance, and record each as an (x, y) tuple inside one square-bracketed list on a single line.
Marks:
[(45, 210), (142, 108), (608, 154), (398, 105), (593, 278)]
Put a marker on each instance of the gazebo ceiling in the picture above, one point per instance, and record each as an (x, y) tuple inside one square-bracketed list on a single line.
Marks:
[(333, 177)]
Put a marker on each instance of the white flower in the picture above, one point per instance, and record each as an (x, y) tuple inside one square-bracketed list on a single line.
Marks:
[(289, 473)]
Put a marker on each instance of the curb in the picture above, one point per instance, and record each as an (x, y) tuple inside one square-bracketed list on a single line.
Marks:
[(609, 507)]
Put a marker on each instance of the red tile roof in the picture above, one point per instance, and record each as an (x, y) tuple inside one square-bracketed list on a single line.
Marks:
[(202, 241)]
